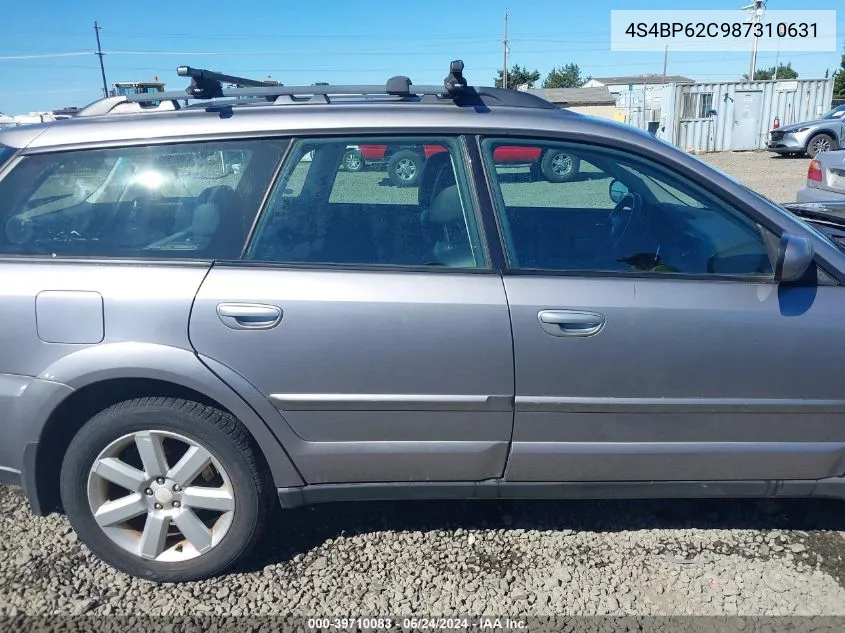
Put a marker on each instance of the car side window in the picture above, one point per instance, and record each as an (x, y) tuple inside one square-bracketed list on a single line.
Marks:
[(187, 200), (577, 207), (370, 201)]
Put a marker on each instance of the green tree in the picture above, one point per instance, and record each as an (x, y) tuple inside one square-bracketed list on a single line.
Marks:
[(839, 81), (568, 76), (519, 75), (785, 71)]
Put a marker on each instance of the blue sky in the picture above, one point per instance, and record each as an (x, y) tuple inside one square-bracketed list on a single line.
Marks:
[(335, 41)]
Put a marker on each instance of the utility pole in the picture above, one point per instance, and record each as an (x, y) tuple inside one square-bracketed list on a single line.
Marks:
[(665, 63), (505, 67), (777, 61), (755, 10), (99, 54)]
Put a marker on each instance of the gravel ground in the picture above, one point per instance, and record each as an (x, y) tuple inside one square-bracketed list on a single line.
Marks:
[(516, 558), (776, 177)]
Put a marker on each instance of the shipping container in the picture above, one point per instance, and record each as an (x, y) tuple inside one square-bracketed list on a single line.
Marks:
[(738, 115)]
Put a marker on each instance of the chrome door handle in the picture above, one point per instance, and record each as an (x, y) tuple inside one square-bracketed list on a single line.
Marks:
[(249, 316), (570, 322)]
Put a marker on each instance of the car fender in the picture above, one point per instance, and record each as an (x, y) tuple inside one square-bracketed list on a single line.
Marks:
[(180, 367)]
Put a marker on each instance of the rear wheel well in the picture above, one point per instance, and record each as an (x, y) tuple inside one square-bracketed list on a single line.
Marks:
[(79, 407)]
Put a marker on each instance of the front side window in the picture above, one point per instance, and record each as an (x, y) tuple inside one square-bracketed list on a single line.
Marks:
[(609, 211), (400, 202), (191, 200)]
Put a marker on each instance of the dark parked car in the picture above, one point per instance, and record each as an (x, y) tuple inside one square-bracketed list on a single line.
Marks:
[(186, 343)]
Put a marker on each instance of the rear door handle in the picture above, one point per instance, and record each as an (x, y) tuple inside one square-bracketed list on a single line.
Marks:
[(570, 322), (249, 316)]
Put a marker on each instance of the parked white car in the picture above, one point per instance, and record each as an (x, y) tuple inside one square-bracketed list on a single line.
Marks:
[(825, 178)]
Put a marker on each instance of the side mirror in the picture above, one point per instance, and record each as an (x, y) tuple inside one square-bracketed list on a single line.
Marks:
[(617, 190), (795, 254)]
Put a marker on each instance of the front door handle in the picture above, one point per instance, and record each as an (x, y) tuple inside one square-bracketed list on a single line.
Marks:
[(249, 316), (570, 322)]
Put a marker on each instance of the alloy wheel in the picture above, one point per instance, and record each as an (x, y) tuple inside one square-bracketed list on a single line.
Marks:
[(353, 161), (821, 144), (405, 169), (160, 496), (562, 164)]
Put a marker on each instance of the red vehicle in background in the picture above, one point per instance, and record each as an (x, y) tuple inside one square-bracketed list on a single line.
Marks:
[(404, 164)]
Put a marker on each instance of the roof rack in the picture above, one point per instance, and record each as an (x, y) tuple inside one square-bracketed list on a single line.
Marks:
[(207, 86)]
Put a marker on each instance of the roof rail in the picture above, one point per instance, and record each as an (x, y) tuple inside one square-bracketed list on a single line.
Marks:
[(208, 85)]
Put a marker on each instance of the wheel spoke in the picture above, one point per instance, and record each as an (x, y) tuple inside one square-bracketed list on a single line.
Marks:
[(191, 465), (154, 536), (152, 454), (120, 510), (120, 473), (194, 530), (218, 499)]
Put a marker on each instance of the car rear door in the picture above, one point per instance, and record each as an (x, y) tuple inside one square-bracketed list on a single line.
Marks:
[(370, 318), (651, 342)]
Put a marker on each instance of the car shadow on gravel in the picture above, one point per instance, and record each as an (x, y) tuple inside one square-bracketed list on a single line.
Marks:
[(808, 526)]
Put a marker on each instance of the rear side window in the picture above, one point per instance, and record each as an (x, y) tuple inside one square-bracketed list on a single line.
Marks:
[(190, 200), (360, 201)]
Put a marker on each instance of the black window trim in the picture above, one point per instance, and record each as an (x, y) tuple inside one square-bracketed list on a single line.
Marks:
[(642, 153)]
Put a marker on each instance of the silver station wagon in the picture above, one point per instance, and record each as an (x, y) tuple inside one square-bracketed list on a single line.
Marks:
[(205, 314)]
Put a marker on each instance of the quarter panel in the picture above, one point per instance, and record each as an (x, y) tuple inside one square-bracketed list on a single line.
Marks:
[(148, 303), (180, 367)]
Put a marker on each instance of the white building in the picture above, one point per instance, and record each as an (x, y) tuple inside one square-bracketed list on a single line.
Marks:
[(638, 96)]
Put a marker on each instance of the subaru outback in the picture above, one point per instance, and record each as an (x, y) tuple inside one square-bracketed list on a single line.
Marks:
[(204, 314)]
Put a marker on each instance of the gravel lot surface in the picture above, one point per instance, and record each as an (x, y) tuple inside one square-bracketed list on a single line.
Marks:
[(776, 177), (526, 558), (516, 558)]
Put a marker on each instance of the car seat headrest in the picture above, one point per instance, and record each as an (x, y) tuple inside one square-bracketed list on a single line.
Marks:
[(431, 177), (446, 207), (206, 219)]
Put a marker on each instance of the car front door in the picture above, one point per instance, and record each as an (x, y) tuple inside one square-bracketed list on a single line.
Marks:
[(368, 315), (651, 340)]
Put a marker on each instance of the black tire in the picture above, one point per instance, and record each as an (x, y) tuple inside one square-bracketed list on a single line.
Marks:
[(821, 142), (404, 168), (218, 432), (559, 166), (352, 160)]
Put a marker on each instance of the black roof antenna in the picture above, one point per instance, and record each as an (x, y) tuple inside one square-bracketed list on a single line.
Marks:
[(455, 82)]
